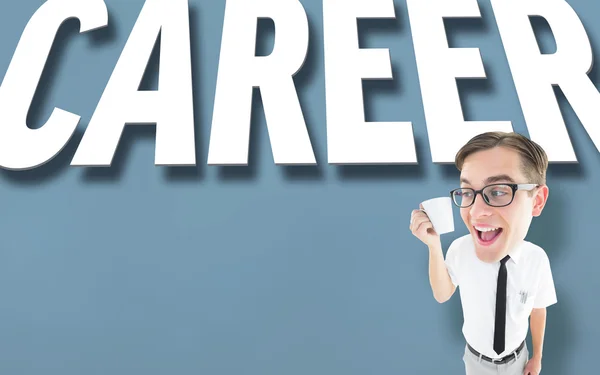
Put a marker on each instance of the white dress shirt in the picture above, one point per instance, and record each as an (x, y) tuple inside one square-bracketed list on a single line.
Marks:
[(529, 285)]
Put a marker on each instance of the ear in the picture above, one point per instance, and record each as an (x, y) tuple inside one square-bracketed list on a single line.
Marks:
[(539, 200)]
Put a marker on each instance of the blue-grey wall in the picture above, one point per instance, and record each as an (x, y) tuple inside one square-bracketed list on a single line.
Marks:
[(262, 269)]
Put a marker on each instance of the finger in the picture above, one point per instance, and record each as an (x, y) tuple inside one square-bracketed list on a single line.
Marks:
[(417, 215), (417, 212), (417, 221), (424, 226)]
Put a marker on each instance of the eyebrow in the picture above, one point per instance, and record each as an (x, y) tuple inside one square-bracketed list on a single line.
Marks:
[(492, 179)]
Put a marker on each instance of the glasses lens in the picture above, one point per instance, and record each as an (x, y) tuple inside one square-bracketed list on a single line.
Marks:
[(498, 195), (463, 197)]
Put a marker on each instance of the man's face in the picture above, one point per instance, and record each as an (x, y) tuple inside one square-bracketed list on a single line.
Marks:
[(496, 230)]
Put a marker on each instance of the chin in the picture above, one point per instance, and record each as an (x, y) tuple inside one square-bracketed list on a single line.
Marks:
[(489, 243)]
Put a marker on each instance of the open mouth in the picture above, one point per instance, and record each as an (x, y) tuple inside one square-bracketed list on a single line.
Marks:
[(487, 235)]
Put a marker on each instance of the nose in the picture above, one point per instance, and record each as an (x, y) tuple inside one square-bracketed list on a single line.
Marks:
[(479, 207)]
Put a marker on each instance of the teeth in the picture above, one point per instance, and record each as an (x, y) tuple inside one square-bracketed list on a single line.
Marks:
[(486, 229)]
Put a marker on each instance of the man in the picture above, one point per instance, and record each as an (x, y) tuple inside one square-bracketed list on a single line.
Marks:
[(504, 280)]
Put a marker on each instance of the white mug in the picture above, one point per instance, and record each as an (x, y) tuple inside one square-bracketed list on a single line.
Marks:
[(439, 211)]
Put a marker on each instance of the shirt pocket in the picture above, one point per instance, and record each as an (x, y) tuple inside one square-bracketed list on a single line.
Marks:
[(520, 302)]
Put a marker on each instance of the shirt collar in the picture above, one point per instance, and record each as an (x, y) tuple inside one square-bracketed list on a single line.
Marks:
[(516, 252)]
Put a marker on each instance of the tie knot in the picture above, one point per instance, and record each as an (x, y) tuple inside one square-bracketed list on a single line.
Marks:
[(505, 259)]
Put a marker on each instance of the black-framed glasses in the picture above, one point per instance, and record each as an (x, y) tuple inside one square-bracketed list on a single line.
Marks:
[(495, 195)]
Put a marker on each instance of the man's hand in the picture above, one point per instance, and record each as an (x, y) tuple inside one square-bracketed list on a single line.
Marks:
[(534, 366), (422, 228)]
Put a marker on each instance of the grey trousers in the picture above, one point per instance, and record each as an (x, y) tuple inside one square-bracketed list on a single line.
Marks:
[(476, 366)]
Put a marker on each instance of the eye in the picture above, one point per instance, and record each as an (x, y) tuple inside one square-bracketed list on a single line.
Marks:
[(498, 193), (464, 193)]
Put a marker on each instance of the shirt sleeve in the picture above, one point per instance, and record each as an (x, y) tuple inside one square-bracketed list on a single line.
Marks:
[(546, 292), (452, 262)]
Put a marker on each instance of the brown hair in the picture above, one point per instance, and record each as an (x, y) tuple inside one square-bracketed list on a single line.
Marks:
[(534, 161)]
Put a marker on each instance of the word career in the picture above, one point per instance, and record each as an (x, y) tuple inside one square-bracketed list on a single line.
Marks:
[(349, 139)]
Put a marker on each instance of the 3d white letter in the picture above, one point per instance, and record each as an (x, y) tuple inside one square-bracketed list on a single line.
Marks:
[(240, 70), (22, 147), (438, 67), (535, 73), (170, 107), (350, 140)]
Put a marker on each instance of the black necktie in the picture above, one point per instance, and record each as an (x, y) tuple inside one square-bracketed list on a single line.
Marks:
[(499, 327)]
